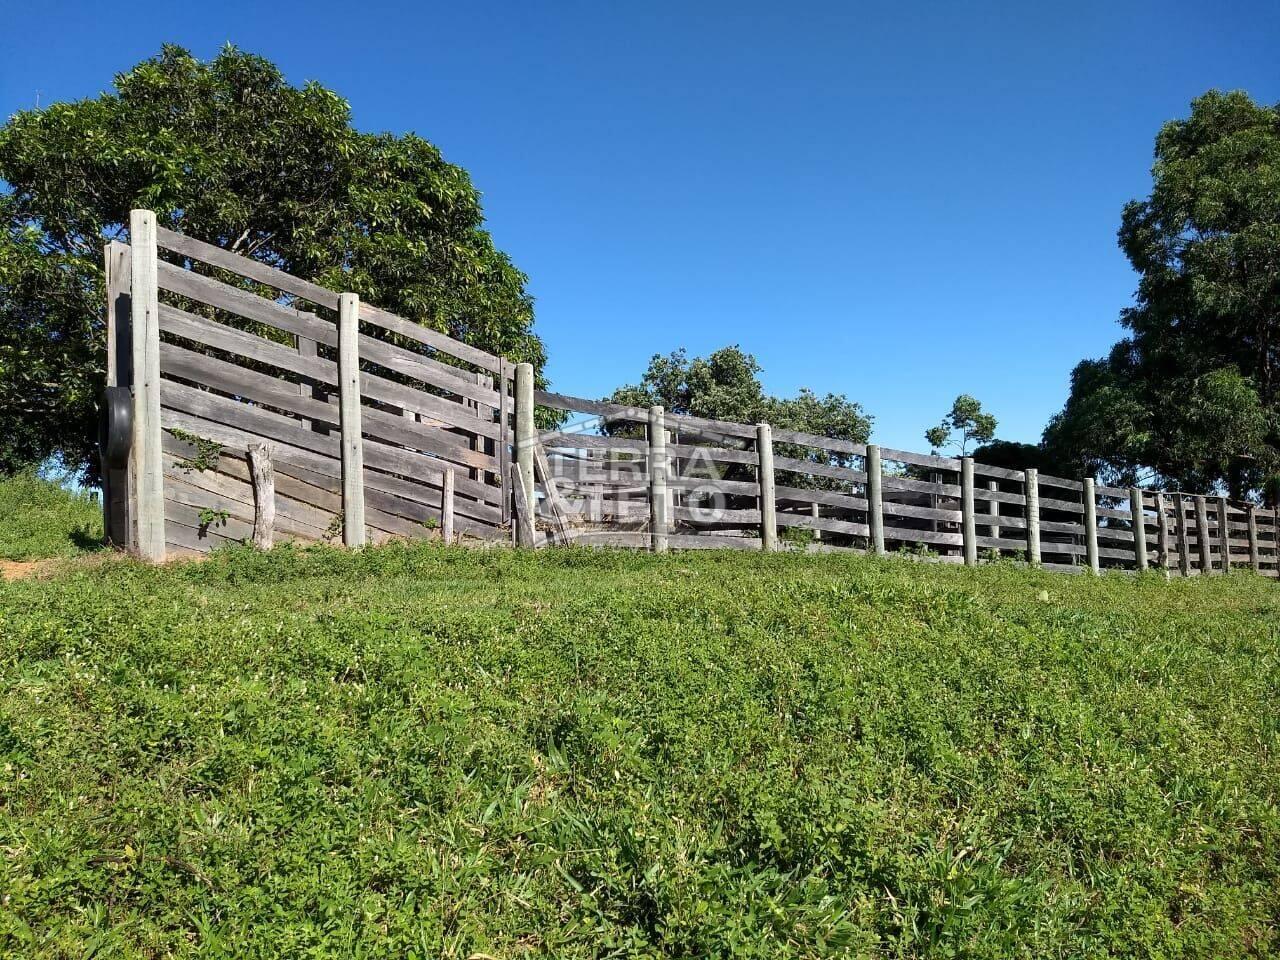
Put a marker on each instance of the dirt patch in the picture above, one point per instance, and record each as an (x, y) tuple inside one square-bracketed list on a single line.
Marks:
[(20, 569)]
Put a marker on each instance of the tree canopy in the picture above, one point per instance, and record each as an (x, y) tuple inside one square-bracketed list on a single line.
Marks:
[(965, 423), (726, 386), (1191, 396), (228, 152)]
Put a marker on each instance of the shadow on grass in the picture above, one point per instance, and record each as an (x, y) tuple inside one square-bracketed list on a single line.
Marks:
[(84, 540)]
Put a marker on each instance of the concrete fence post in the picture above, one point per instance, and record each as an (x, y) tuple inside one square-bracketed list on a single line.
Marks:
[(1031, 492), (1091, 526), (526, 437), (1139, 520), (875, 499), (349, 418), (968, 528), (659, 516), (146, 459)]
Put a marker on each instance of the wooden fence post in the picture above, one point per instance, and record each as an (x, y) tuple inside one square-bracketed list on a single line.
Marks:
[(521, 510), (659, 519), (1202, 534), (1091, 526), (1184, 541), (1032, 495), (349, 416), (813, 511), (526, 436), (768, 502), (993, 509), (146, 458), (446, 506), (875, 499), (1162, 531), (969, 530), (1251, 519), (118, 483), (1224, 533), (263, 477), (1139, 520)]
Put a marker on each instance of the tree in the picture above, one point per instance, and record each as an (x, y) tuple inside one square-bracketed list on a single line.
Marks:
[(726, 386), (964, 424), (226, 151), (1191, 397)]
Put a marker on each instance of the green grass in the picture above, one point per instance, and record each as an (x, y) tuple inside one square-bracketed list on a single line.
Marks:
[(421, 752), (41, 519)]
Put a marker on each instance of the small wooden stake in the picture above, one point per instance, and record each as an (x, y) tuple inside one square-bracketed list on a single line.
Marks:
[(264, 495), (446, 506), (522, 508)]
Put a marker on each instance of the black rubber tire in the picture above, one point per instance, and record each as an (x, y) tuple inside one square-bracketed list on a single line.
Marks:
[(115, 426)]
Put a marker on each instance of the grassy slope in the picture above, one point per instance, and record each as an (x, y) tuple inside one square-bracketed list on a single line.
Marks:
[(423, 752), (39, 519)]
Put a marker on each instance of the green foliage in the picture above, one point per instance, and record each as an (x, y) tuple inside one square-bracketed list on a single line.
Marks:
[(726, 386), (964, 424), (226, 151), (206, 455), (424, 751), (1191, 397), (42, 518)]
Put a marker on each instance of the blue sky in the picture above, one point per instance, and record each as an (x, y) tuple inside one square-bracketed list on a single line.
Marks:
[(898, 202)]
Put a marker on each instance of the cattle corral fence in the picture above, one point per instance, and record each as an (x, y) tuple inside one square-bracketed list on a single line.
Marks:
[(260, 405)]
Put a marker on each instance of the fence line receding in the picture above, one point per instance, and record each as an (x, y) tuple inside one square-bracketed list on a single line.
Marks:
[(377, 427)]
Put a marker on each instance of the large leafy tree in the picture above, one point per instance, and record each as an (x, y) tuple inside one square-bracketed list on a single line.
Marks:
[(226, 151), (1191, 397), (725, 385)]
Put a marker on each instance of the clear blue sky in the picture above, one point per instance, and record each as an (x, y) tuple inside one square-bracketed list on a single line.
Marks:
[(899, 202)]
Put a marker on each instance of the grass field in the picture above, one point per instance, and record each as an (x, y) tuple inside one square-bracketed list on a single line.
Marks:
[(40, 519), (421, 752)]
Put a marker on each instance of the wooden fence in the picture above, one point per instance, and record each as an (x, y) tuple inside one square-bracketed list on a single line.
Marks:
[(366, 426)]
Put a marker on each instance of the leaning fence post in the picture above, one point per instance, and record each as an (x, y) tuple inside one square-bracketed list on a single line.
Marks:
[(1251, 518), (446, 506), (147, 461), (1184, 541), (768, 503), (1091, 526), (970, 533), (1032, 495), (875, 499), (349, 420), (1162, 530), (263, 477), (526, 433), (1224, 534), (659, 520), (1138, 517), (1202, 534)]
